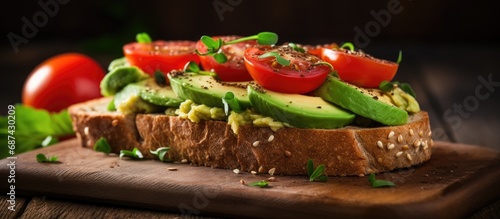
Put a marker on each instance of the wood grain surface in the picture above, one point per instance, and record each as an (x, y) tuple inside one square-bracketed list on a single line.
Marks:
[(456, 174)]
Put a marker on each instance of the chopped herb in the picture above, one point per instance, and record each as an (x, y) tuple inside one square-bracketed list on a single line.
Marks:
[(260, 184), (160, 78), (41, 158), (282, 61), (296, 47), (317, 174), (161, 152), (386, 86), (143, 38), (134, 154), (348, 45), (102, 145), (192, 67), (379, 183), (230, 101), (400, 57), (111, 105), (214, 46)]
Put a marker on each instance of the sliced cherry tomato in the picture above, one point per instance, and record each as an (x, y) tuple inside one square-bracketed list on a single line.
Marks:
[(301, 76), (359, 68), (316, 50), (160, 55), (61, 81), (234, 69)]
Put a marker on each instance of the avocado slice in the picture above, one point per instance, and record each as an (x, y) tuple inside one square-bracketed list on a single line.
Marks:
[(119, 77), (151, 92), (128, 101), (298, 110), (204, 89), (369, 103), (119, 62)]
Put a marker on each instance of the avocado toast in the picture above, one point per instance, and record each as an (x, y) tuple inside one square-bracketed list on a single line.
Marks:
[(247, 126)]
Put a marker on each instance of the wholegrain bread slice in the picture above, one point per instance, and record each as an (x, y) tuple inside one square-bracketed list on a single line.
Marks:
[(346, 151)]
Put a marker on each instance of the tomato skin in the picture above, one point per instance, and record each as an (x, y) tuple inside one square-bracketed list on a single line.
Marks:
[(316, 50), (361, 70), (160, 55), (61, 81), (234, 69), (284, 80)]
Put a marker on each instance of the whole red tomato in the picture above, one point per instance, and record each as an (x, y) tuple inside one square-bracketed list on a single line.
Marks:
[(61, 81)]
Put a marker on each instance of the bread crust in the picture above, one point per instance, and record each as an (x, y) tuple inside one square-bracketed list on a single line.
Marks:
[(345, 151)]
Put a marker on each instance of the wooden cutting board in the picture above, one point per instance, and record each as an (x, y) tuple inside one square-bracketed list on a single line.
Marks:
[(457, 181)]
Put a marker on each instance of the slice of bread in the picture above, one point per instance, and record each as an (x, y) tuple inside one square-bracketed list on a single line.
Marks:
[(346, 151)]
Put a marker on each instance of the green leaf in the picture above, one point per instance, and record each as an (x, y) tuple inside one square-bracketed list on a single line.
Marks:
[(210, 43), (111, 105), (160, 78), (102, 145), (260, 184), (143, 38), (161, 152), (282, 61), (41, 158), (320, 170), (322, 178), (310, 167), (296, 47), (191, 67), (400, 57), (220, 58), (407, 88), (267, 38), (231, 102), (379, 183), (33, 126), (348, 45), (317, 174), (119, 62), (386, 86), (134, 154)]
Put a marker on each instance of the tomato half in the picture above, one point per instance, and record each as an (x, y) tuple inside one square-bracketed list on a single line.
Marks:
[(234, 69), (316, 50), (160, 55), (359, 68), (300, 77), (61, 81)]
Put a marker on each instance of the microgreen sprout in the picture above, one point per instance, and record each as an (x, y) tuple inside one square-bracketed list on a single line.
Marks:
[(41, 158), (143, 38), (192, 67), (161, 152), (296, 47), (231, 102), (317, 174), (160, 78), (214, 46), (111, 105), (400, 57), (102, 145), (134, 154), (387, 86), (348, 45), (379, 183), (260, 184), (282, 61)]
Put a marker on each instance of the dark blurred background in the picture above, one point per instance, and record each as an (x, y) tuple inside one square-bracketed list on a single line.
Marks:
[(455, 41)]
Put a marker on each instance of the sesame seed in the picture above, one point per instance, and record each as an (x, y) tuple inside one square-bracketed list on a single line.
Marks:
[(114, 122), (253, 172), (261, 169), (400, 138), (408, 156), (379, 159), (391, 134), (243, 182), (399, 154), (411, 132), (271, 171), (421, 134), (86, 130), (184, 161), (237, 171), (430, 134), (271, 179), (390, 146), (172, 169), (425, 147), (271, 138), (288, 153), (416, 143), (431, 143), (379, 144), (339, 157), (255, 143)]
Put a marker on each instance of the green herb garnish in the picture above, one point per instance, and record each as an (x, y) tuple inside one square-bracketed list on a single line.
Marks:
[(348, 45), (296, 47), (230, 102), (214, 46), (102, 145), (379, 183), (282, 61), (317, 174), (260, 184), (41, 158), (143, 38), (161, 152), (111, 105), (134, 154), (407, 88), (192, 67), (400, 57), (160, 78), (387, 86)]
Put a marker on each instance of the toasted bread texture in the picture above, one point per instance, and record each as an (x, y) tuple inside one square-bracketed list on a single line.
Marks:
[(346, 151)]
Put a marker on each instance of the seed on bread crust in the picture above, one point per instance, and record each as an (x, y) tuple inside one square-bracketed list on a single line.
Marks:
[(86, 130), (399, 154), (271, 171), (400, 138), (271, 138), (391, 134), (411, 132), (390, 146), (255, 143), (288, 153), (408, 156), (380, 144), (114, 123)]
